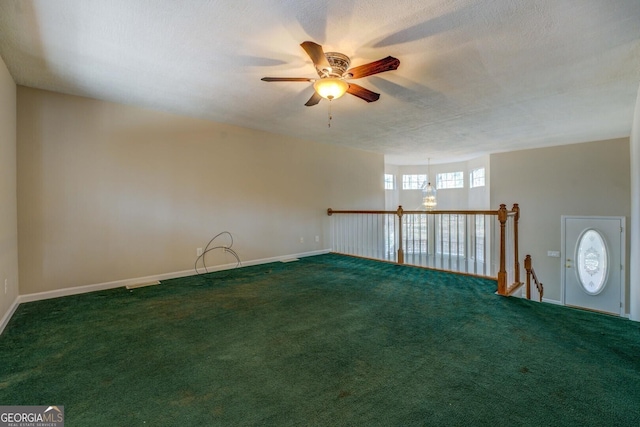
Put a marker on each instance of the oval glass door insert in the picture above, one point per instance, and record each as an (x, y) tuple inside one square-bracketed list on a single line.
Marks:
[(592, 262)]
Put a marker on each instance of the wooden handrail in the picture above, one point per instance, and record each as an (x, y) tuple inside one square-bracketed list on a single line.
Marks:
[(532, 274), (334, 211), (457, 212), (503, 216)]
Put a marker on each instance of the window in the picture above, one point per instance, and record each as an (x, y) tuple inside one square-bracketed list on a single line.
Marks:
[(413, 182), (416, 237), (592, 262), (451, 235), (479, 237), (389, 182), (476, 178), (450, 180)]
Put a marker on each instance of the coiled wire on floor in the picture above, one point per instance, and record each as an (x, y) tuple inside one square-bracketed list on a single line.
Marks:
[(209, 248)]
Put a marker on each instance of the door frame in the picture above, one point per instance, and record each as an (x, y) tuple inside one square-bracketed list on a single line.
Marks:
[(623, 246)]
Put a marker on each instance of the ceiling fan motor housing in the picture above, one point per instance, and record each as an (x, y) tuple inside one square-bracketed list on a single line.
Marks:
[(333, 69), (339, 65)]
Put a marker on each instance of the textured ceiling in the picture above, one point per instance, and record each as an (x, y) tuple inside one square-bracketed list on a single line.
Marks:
[(475, 77)]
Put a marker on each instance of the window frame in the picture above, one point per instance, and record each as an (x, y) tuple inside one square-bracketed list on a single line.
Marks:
[(473, 178), (450, 235), (418, 183), (458, 177), (389, 184)]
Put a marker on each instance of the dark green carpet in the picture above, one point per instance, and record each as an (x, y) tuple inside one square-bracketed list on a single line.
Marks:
[(326, 341)]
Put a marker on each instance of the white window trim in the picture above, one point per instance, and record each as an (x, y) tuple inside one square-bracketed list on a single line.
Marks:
[(459, 174), (472, 178), (392, 181), (419, 181)]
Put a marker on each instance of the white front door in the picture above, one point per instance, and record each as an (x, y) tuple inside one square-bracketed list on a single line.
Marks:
[(593, 263)]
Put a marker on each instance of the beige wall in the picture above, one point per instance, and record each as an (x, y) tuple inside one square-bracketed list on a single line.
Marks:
[(109, 192), (580, 179), (8, 203)]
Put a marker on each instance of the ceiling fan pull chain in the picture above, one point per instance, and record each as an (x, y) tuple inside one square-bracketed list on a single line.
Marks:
[(329, 124)]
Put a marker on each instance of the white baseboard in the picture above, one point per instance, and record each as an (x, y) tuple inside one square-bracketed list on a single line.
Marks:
[(146, 279), (7, 316), (266, 260), (552, 301), (65, 292)]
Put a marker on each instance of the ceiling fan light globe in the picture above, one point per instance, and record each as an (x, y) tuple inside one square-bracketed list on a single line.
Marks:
[(330, 87)]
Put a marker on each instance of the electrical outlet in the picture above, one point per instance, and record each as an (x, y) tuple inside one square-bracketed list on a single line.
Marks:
[(302, 240), (198, 251), (554, 254), (317, 239)]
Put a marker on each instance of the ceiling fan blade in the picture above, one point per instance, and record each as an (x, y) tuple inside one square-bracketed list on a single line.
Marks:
[(315, 52), (286, 79), (380, 66), (362, 93), (315, 98)]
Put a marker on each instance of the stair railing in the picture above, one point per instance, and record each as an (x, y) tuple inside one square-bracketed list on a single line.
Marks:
[(459, 241), (531, 274)]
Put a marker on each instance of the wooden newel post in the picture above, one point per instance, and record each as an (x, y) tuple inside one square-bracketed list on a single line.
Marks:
[(527, 266), (516, 264), (502, 274), (400, 212)]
